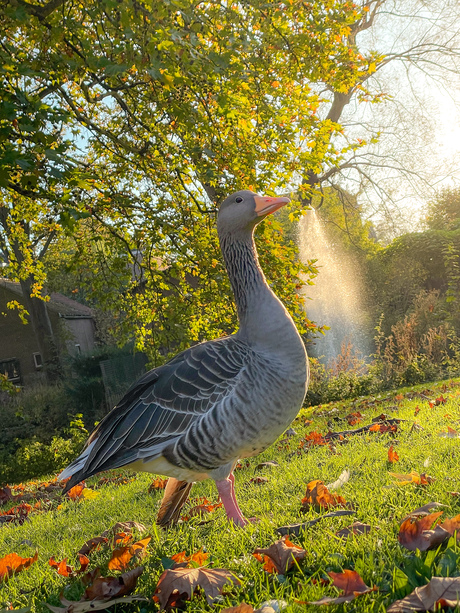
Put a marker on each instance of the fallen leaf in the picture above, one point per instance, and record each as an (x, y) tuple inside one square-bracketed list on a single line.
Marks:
[(259, 480), (13, 563), (412, 477), (429, 506), (122, 556), (157, 484), (104, 588), (343, 478), (451, 433), (351, 585), (422, 533), (76, 491), (452, 525), (204, 506), (62, 568), (182, 560), (65, 570), (356, 528), (92, 544), (182, 582), (318, 496), (438, 592), (283, 555), (392, 455), (92, 605), (241, 608)]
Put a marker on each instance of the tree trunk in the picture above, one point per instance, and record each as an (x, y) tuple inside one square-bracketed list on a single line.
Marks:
[(44, 334)]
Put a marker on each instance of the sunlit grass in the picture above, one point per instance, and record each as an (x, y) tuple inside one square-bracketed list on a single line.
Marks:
[(377, 499)]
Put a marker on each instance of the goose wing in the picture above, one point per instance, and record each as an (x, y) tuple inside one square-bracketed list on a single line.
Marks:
[(161, 405)]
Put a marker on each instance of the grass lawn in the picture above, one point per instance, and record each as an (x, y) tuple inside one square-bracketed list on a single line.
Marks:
[(376, 497)]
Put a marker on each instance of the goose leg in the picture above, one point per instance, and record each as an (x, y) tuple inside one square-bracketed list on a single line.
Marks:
[(226, 490)]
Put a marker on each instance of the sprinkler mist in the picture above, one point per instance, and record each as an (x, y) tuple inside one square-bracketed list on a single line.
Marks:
[(336, 298)]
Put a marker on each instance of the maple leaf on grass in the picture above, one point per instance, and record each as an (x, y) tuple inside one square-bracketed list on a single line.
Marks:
[(13, 563), (92, 544), (65, 570), (280, 556), (103, 588), (122, 556), (175, 586), (392, 455), (351, 585), (157, 484), (240, 608), (423, 534), (319, 497), (82, 606), (181, 560), (439, 592)]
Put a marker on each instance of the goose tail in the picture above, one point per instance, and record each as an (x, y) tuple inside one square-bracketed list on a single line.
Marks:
[(174, 498)]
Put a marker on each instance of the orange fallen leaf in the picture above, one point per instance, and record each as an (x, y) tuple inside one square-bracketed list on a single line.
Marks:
[(122, 556), (76, 491), (13, 563), (282, 555), (204, 506), (423, 534), (318, 496), (62, 568), (351, 585), (175, 586), (157, 484), (392, 455), (199, 558)]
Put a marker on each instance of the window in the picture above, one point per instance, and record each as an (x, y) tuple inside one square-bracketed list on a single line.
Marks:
[(38, 361), (11, 369)]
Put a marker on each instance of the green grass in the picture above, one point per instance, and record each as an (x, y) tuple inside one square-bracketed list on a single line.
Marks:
[(378, 501)]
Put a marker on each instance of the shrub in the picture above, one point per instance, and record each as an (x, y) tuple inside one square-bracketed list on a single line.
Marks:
[(34, 458)]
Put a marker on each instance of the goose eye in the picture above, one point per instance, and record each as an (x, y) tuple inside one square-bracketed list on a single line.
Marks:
[(239, 199)]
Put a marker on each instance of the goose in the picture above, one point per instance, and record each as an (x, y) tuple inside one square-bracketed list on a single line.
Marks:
[(219, 401)]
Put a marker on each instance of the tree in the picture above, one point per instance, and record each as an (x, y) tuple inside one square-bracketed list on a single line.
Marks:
[(443, 211), (173, 105)]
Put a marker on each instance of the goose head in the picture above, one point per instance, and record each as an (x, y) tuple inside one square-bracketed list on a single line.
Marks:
[(242, 211)]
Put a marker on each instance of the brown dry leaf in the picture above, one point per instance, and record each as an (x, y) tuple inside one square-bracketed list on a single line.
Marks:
[(439, 592), (425, 510), (392, 455), (259, 480), (122, 556), (80, 606), (356, 528), (179, 584), (104, 588), (422, 533), (318, 496), (352, 585), (124, 526), (92, 544), (241, 608), (283, 554), (13, 563)]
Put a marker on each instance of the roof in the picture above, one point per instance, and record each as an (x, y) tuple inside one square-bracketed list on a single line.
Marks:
[(66, 307)]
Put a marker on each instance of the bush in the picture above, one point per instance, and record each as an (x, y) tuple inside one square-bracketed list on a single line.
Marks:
[(34, 458)]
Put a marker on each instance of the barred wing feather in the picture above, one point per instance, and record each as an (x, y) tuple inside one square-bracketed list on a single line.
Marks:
[(161, 405)]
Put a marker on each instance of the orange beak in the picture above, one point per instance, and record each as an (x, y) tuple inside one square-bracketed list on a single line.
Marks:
[(266, 204)]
